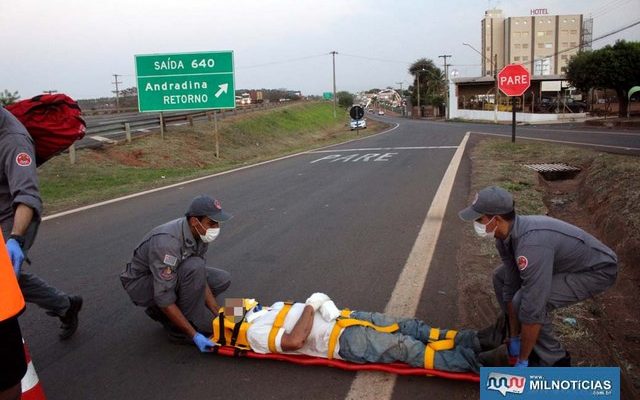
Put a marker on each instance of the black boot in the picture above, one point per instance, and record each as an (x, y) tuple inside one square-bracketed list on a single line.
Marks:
[(70, 318), (498, 357), (494, 335)]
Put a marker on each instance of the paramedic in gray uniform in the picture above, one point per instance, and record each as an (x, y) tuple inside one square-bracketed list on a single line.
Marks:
[(546, 264), (20, 212), (169, 276)]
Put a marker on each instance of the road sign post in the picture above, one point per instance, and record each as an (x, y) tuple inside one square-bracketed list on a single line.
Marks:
[(357, 112), (514, 80), (186, 81)]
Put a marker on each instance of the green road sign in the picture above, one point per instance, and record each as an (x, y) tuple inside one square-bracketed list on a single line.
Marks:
[(327, 95), (185, 81)]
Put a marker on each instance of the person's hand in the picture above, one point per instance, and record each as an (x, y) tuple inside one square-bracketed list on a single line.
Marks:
[(514, 346), (316, 300), (329, 311), (521, 363), (16, 255), (204, 345)]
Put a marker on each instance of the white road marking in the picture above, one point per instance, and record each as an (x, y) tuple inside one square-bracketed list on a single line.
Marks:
[(406, 294), (386, 148), (560, 141), (102, 139), (103, 203), (356, 157)]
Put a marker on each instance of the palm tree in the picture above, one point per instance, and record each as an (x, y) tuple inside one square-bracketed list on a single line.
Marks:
[(432, 82)]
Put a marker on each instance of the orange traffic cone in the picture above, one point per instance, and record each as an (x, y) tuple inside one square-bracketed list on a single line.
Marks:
[(31, 387)]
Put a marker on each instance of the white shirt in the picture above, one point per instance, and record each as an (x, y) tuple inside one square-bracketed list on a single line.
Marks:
[(317, 344)]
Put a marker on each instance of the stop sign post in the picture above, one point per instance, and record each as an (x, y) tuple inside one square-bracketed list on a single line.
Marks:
[(513, 80)]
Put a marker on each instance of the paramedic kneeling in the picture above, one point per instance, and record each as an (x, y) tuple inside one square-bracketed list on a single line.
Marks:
[(546, 264), (168, 273)]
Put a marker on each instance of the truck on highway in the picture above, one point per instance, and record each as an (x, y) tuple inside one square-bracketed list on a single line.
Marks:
[(256, 96)]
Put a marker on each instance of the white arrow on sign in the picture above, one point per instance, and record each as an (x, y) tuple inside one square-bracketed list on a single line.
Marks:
[(224, 88)]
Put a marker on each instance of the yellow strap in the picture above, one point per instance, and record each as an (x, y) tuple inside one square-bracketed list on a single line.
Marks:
[(347, 322), (429, 357), (346, 313), (431, 348), (434, 334), (277, 324), (451, 334), (333, 338)]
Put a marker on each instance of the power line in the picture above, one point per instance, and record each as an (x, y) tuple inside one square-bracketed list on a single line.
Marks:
[(291, 60)]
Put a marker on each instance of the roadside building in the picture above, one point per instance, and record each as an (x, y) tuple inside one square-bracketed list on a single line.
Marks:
[(541, 42)]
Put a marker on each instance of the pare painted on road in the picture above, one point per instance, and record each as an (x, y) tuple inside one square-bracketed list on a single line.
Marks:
[(355, 157)]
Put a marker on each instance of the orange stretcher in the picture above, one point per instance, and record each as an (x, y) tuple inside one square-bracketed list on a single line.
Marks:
[(394, 368)]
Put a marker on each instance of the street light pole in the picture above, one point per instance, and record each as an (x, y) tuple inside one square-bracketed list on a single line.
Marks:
[(446, 74), (335, 115), (495, 81)]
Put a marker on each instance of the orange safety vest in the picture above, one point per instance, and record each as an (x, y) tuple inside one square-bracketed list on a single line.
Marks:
[(11, 300)]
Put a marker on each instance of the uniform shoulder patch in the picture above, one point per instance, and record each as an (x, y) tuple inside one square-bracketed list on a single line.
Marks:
[(167, 274), (170, 260), (23, 159), (523, 263)]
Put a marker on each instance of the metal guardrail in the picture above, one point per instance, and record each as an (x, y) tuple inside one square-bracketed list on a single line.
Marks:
[(136, 122)]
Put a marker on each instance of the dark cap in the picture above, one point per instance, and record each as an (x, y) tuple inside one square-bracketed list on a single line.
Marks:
[(206, 206), (492, 200)]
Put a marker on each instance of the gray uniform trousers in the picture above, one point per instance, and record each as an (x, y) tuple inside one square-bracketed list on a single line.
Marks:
[(37, 291), (191, 275), (566, 289)]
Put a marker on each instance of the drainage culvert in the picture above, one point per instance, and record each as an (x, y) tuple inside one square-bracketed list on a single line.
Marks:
[(555, 171)]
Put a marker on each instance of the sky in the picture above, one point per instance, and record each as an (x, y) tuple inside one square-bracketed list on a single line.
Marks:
[(75, 46)]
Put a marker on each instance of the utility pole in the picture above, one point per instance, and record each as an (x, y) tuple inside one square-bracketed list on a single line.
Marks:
[(418, 80), (401, 99), (335, 115), (446, 74), (117, 91)]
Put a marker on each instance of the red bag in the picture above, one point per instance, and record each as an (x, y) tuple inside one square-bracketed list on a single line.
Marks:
[(53, 121)]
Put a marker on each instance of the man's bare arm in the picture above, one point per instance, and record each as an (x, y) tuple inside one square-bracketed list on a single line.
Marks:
[(21, 219), (300, 332)]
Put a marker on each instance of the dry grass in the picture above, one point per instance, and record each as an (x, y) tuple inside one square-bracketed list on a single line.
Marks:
[(188, 152)]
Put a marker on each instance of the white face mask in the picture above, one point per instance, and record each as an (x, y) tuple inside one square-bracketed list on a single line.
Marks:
[(210, 234), (481, 229)]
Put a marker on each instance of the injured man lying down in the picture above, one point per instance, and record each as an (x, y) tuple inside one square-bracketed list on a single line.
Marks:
[(318, 328)]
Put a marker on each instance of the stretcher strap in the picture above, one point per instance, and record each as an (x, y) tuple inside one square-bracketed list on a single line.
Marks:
[(431, 348), (222, 340), (434, 334), (277, 324), (342, 323)]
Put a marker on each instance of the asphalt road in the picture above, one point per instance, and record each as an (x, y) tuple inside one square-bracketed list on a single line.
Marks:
[(313, 222)]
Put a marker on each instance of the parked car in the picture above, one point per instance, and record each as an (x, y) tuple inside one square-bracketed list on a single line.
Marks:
[(358, 124), (550, 105), (380, 112)]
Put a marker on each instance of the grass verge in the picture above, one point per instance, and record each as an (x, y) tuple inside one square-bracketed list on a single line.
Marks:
[(189, 152), (604, 199)]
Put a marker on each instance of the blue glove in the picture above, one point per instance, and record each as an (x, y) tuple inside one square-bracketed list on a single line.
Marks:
[(204, 345), (521, 363), (514, 346), (15, 254)]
